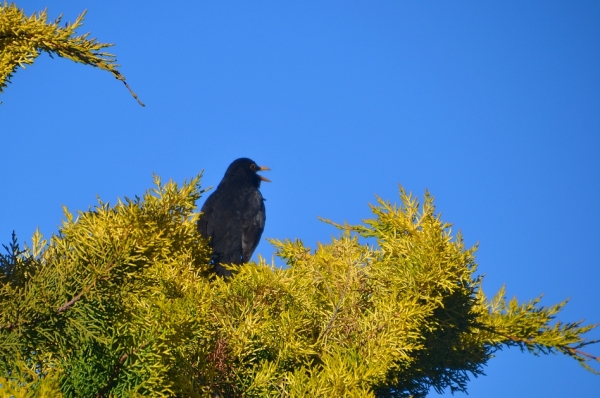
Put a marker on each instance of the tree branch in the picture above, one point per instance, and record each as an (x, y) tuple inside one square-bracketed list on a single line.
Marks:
[(338, 306), (11, 326), (117, 369), (578, 354)]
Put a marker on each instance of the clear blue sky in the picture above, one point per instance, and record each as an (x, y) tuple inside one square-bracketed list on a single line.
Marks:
[(492, 106)]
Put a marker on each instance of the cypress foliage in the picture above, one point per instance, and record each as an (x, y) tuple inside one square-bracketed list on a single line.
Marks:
[(122, 302), (23, 38)]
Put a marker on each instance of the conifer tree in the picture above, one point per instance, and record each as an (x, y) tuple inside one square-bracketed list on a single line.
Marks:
[(23, 38), (122, 302)]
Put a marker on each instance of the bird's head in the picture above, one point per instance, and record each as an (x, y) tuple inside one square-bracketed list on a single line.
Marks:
[(245, 170)]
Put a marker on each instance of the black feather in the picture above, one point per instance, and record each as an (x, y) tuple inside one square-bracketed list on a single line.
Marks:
[(233, 217)]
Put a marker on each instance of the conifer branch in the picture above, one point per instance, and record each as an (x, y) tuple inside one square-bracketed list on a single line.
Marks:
[(66, 305), (22, 39), (575, 351), (85, 290), (563, 347), (75, 299), (578, 354), (117, 369), (338, 306)]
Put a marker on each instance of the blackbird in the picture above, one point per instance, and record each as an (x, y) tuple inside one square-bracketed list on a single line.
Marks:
[(233, 217)]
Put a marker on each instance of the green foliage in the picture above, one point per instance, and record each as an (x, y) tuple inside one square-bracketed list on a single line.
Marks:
[(22, 39), (122, 303)]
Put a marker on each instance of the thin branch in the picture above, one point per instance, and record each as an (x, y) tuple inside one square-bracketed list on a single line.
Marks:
[(530, 342), (10, 326), (117, 369), (66, 305), (338, 306), (575, 351), (75, 299)]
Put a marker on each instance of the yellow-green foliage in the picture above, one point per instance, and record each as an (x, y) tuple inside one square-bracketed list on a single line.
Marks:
[(22, 39), (122, 303)]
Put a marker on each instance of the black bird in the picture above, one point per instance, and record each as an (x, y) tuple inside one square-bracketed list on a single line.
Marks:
[(233, 217)]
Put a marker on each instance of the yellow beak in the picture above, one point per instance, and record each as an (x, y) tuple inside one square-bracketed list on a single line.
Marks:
[(264, 168)]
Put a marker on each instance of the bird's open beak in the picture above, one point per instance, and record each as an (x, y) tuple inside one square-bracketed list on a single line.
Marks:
[(264, 168)]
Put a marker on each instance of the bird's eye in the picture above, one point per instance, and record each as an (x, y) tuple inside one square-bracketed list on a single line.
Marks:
[(253, 167)]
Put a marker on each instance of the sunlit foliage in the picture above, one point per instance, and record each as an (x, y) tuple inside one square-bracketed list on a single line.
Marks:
[(122, 302), (23, 38)]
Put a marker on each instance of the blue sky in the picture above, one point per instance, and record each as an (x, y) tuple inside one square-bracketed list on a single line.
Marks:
[(492, 106)]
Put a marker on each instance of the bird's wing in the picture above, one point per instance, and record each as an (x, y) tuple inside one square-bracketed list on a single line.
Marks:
[(253, 225), (207, 211)]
